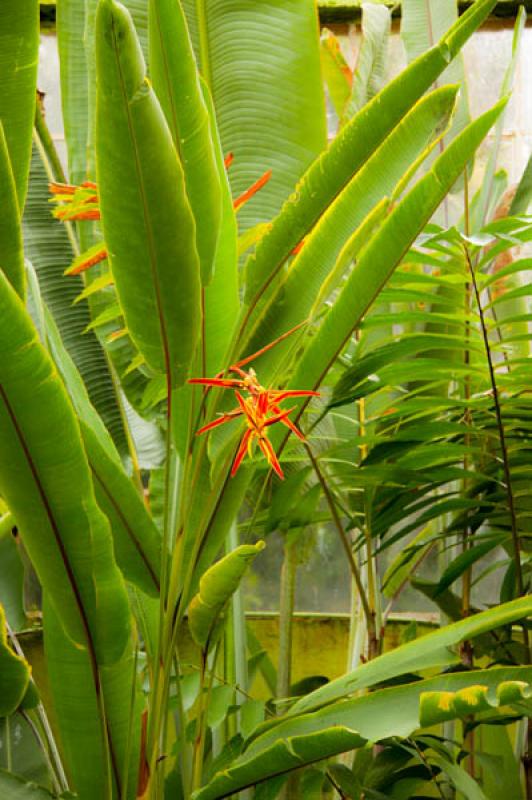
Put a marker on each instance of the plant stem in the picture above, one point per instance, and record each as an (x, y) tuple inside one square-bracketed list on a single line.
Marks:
[(197, 773), (163, 664), (516, 543), (48, 144), (370, 618), (42, 746), (43, 719), (286, 615), (502, 440), (466, 649)]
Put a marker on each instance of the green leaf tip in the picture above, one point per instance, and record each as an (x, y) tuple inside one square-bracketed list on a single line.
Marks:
[(217, 586)]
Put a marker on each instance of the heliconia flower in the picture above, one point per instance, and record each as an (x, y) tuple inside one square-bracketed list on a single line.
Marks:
[(261, 408), (248, 194), (228, 160), (255, 411), (88, 259), (76, 202)]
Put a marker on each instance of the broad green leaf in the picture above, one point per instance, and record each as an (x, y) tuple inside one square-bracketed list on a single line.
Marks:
[(137, 543), (147, 221), (15, 787), (370, 72), (216, 587), (14, 673), (75, 37), (19, 50), (11, 248), (432, 650), (270, 111), (177, 85), (351, 149), (298, 289), (95, 772), (71, 22), (222, 299), (45, 480), (384, 251), (51, 248), (397, 711)]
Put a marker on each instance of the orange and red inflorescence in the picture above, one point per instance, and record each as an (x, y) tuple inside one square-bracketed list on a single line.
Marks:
[(261, 409)]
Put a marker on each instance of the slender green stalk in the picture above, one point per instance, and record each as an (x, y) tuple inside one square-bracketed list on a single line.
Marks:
[(466, 649), (162, 662), (502, 437), (43, 719), (42, 747), (48, 145), (127, 757), (286, 617), (206, 684), (370, 618), (184, 749)]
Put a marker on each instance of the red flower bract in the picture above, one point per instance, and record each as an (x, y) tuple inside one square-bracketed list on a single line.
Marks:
[(261, 409)]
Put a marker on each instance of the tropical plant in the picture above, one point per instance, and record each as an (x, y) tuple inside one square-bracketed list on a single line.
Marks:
[(123, 466)]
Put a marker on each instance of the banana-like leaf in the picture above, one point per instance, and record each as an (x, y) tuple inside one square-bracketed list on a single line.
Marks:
[(384, 251), (296, 293), (46, 482), (370, 72), (75, 38), (177, 85), (432, 650), (242, 49), (137, 543), (216, 588), (222, 299), (147, 221), (75, 697), (14, 787), (421, 26), (14, 673), (19, 34), (71, 21), (397, 711), (11, 248), (351, 149), (50, 247)]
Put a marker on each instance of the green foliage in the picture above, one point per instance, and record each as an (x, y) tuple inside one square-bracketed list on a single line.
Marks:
[(417, 337), (14, 673)]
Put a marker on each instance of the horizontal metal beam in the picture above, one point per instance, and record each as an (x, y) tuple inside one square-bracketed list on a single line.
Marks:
[(349, 10)]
